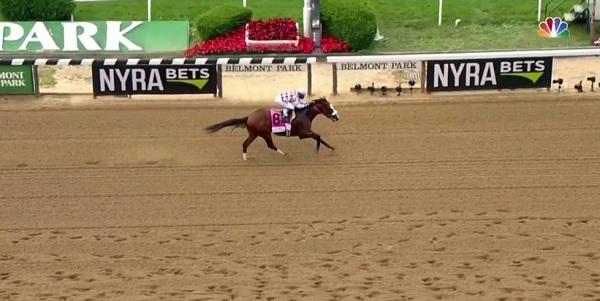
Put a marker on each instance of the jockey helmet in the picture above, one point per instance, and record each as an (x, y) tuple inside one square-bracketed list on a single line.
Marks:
[(301, 93)]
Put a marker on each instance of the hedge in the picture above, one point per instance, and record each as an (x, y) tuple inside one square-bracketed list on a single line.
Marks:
[(37, 10), (351, 21), (221, 19)]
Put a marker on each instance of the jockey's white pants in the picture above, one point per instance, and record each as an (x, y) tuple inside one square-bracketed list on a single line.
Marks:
[(288, 106)]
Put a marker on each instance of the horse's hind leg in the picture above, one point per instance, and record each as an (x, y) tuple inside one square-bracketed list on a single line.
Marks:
[(247, 142), (270, 144)]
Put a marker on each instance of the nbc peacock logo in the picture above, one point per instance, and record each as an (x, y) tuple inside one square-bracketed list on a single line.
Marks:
[(553, 28)]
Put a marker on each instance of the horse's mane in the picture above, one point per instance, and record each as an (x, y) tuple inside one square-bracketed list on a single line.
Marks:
[(315, 101)]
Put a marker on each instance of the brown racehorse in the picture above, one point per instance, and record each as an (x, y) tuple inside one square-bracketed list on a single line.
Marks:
[(258, 124)]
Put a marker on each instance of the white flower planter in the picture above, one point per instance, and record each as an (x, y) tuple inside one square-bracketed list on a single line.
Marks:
[(250, 43)]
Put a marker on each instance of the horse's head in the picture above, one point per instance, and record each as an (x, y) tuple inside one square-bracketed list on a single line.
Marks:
[(323, 106)]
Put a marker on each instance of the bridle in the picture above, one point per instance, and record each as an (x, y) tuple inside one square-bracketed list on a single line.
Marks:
[(317, 109)]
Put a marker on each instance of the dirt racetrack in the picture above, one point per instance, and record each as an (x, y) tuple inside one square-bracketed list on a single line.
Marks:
[(453, 201)]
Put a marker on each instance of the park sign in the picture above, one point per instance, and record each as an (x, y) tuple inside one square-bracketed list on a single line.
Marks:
[(97, 36), (265, 68), (410, 70), (16, 80)]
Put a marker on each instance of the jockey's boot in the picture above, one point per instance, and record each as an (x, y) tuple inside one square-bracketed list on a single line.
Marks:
[(286, 116), (286, 122)]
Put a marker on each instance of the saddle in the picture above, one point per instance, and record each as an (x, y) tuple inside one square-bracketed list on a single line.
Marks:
[(277, 123)]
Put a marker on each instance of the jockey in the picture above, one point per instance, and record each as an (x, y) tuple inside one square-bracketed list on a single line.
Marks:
[(290, 100)]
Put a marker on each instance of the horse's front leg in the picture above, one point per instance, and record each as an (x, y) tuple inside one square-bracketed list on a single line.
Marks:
[(325, 143), (311, 135), (317, 138)]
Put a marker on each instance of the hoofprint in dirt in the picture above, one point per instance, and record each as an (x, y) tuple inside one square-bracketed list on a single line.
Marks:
[(458, 201)]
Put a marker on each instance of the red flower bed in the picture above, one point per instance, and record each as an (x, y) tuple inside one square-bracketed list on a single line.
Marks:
[(331, 44), (272, 29), (264, 30), (234, 43)]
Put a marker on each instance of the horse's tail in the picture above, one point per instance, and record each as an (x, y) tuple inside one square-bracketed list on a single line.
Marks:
[(235, 123)]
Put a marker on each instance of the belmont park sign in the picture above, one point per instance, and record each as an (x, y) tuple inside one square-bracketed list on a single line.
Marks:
[(99, 36)]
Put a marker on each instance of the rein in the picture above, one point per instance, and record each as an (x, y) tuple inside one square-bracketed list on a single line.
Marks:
[(318, 110)]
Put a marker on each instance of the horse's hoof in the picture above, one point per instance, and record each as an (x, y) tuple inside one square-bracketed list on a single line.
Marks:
[(281, 152), (244, 156)]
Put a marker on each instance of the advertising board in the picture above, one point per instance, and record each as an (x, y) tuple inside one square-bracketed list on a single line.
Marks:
[(489, 74), (16, 80), (154, 79)]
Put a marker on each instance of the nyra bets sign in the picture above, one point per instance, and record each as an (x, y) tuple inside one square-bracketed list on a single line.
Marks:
[(154, 79), (101, 36), (489, 74)]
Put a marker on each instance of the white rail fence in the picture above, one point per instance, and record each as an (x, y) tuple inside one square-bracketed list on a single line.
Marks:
[(467, 71)]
